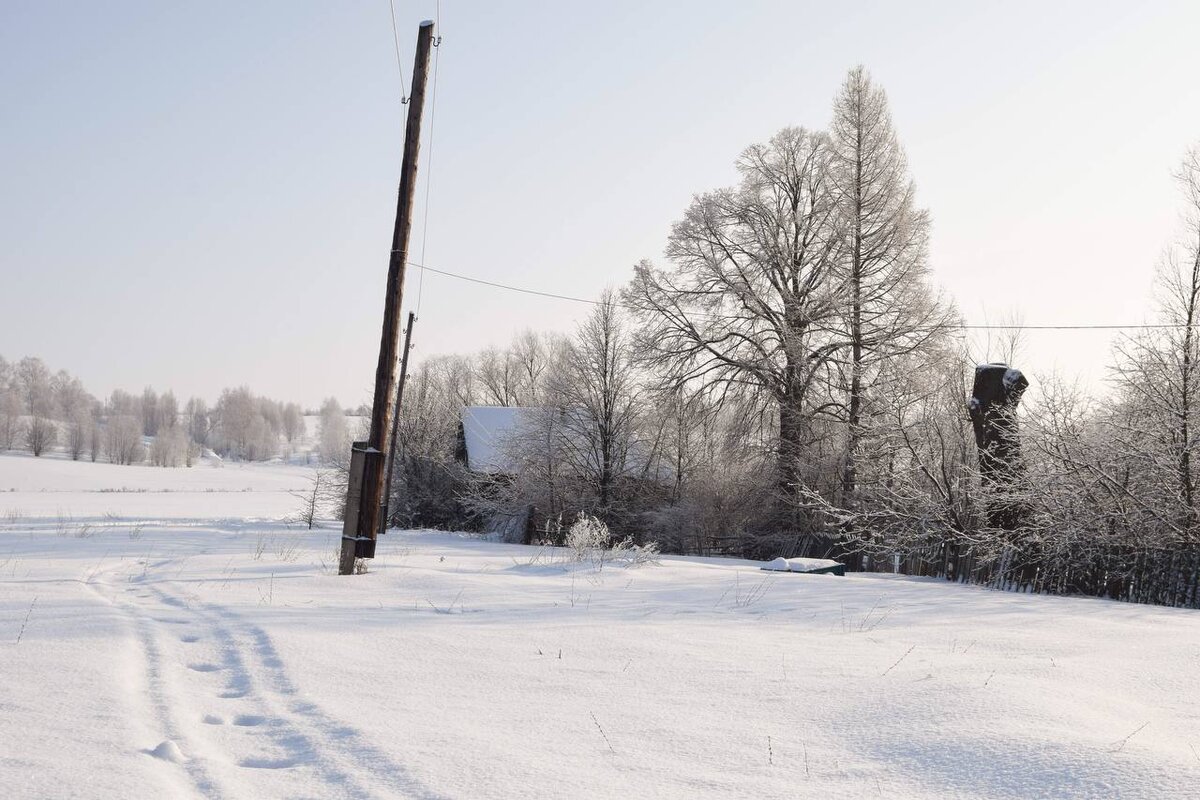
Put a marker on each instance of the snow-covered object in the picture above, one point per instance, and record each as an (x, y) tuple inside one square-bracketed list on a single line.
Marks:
[(485, 429), (782, 564), (168, 751), (1012, 377)]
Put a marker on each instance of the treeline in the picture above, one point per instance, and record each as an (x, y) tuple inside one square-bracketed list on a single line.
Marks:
[(789, 382), (41, 411)]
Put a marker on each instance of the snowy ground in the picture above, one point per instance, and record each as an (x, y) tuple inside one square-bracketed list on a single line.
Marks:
[(177, 642)]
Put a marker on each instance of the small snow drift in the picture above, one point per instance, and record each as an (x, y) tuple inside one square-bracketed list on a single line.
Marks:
[(168, 751), (812, 566)]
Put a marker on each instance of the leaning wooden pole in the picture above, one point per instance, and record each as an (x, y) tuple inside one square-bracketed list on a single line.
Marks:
[(362, 543), (391, 459)]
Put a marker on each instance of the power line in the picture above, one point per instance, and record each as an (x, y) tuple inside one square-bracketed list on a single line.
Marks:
[(954, 325), (396, 42)]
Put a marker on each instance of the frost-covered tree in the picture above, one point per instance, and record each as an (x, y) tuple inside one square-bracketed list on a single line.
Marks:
[(750, 306), (11, 428), (79, 431), (1158, 373), (150, 417), (32, 379), (123, 439), (595, 389), (334, 434), (198, 421), (292, 420), (169, 448), (889, 310)]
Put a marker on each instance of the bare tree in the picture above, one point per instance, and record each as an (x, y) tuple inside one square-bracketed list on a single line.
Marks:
[(751, 305), (595, 388), (498, 375), (123, 439), (40, 434), (321, 492), (1158, 369)]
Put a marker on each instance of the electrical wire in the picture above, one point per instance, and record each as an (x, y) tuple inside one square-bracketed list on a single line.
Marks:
[(396, 43), (953, 325)]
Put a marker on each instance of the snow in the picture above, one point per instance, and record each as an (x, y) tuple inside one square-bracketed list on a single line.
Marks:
[(485, 429), (168, 751), (188, 643), (782, 564), (1012, 377)]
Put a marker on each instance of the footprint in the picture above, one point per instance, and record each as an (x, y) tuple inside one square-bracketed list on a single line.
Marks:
[(232, 694), (248, 720), (204, 667), (189, 638), (169, 621), (213, 719)]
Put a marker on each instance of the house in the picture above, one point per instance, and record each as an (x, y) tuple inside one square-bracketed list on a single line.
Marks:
[(482, 433)]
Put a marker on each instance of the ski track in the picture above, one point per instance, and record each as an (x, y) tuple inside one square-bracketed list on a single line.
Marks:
[(281, 731)]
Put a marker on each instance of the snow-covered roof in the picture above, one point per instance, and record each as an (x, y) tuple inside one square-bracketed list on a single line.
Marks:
[(484, 431)]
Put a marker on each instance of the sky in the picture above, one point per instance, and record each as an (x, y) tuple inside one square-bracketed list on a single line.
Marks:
[(202, 195)]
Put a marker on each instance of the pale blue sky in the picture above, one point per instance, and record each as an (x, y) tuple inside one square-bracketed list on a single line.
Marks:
[(200, 195)]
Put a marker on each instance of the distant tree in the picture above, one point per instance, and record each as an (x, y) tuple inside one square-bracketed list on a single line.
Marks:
[(235, 412), (199, 424), (293, 422), (169, 448), (40, 434), (123, 439), (68, 395), (150, 418), (32, 379), (79, 431), (334, 434), (122, 403), (11, 427), (95, 437), (168, 410)]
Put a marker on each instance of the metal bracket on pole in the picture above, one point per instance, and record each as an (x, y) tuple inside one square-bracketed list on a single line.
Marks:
[(353, 545)]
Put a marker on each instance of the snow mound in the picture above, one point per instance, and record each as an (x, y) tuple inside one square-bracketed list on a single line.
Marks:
[(168, 751), (782, 564)]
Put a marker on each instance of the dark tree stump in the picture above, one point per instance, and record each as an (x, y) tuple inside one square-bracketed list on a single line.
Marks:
[(993, 407)]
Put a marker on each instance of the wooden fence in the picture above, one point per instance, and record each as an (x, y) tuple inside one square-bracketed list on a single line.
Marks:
[(1167, 577)]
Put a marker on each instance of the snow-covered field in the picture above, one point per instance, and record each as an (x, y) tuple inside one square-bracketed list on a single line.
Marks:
[(181, 641)]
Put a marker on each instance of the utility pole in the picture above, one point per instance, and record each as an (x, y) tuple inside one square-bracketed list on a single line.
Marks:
[(358, 536), (391, 461)]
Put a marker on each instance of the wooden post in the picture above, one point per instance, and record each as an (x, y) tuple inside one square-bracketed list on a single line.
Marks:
[(358, 452), (391, 460), (363, 543)]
